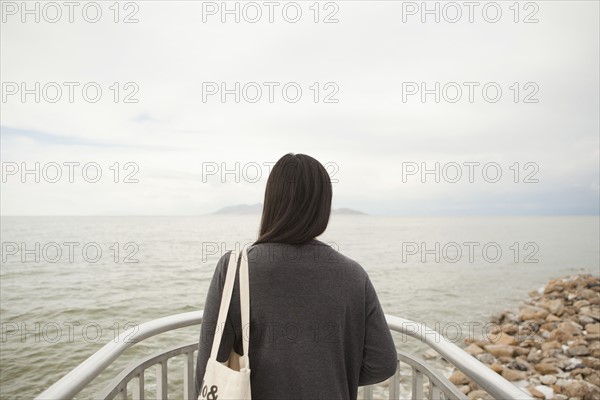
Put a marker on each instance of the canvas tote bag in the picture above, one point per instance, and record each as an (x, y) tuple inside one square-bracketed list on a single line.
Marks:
[(230, 380)]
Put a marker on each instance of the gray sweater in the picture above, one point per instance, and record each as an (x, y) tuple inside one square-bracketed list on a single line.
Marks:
[(317, 330)]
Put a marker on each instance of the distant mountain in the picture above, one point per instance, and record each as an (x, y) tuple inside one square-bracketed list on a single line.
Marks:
[(346, 211), (241, 209)]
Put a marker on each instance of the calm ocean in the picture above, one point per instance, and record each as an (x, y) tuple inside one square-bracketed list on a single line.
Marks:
[(71, 284)]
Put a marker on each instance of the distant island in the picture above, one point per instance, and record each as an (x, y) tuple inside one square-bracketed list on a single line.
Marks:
[(242, 209)]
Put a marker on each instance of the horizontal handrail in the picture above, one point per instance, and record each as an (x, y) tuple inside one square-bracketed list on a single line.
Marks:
[(135, 370), (487, 379), (73, 382)]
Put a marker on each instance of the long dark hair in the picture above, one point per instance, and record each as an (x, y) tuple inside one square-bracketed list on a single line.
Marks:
[(297, 201)]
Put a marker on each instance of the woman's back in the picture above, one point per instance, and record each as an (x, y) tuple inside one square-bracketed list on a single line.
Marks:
[(317, 330)]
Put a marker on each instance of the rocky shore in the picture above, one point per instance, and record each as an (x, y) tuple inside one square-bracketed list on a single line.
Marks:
[(550, 347)]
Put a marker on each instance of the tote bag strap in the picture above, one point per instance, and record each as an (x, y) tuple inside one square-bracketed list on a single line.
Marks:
[(244, 304), (245, 307), (225, 300)]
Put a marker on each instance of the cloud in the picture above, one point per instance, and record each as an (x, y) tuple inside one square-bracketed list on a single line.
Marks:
[(362, 61)]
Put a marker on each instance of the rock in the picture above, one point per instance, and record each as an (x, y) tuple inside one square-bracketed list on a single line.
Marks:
[(594, 378), (486, 358), (554, 285), (593, 392), (535, 294), (588, 294), (578, 350), (534, 392), (593, 329), (549, 326), (430, 354), (575, 389), (584, 320), (532, 313), (569, 312), (521, 351), (458, 378), (570, 364), (510, 328), (556, 307), (552, 318), (546, 368), (548, 379), (535, 355), (581, 389), (553, 344), (507, 339), (561, 382), (505, 359), (550, 360), (498, 368), (591, 311), (581, 303), (585, 371), (479, 395), (565, 331), (500, 350), (464, 388), (595, 349), (513, 375), (503, 338), (547, 392), (473, 349), (591, 362), (520, 364)]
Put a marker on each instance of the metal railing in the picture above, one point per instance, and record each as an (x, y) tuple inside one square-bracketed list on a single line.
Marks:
[(439, 387)]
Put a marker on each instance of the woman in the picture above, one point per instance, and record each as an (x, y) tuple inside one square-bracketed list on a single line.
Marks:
[(317, 330)]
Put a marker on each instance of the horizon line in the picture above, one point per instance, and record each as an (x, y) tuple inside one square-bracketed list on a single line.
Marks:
[(363, 214)]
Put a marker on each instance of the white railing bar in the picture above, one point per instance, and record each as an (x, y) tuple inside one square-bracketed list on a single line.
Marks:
[(434, 391), (188, 376), (417, 384), (368, 392), (73, 382), (162, 384), (394, 386), (138, 387), (135, 367), (484, 377)]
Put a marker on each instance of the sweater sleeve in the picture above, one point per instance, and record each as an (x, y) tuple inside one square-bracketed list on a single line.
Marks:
[(379, 354), (209, 324)]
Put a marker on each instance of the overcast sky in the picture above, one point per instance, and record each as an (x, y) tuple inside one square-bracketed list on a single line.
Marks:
[(178, 136)]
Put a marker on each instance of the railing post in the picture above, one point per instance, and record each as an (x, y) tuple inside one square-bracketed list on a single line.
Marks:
[(417, 384), (161, 380), (188, 376), (138, 387), (434, 392), (122, 393), (394, 386), (368, 392)]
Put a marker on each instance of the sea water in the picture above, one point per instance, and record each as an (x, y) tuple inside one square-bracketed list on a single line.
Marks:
[(71, 284)]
